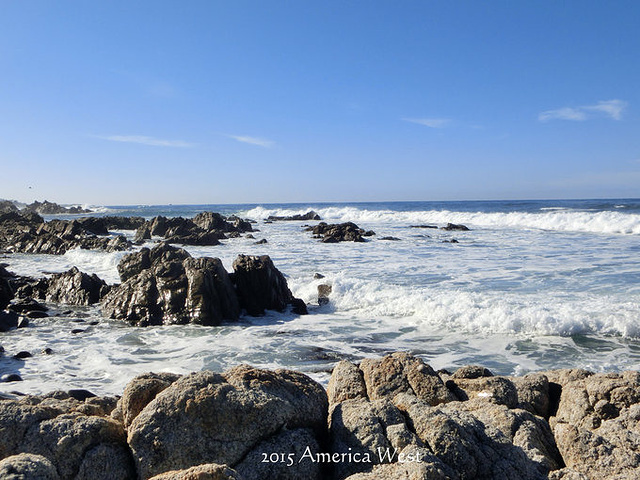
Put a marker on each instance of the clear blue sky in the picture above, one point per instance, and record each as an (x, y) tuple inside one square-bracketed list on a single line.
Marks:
[(127, 102)]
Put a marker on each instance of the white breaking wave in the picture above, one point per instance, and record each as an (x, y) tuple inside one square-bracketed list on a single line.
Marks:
[(558, 220)]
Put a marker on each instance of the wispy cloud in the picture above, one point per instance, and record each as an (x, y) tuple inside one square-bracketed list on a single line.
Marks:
[(430, 122), (144, 140), (606, 108), (260, 142)]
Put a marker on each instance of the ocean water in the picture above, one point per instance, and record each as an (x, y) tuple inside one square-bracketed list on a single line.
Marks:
[(533, 285)]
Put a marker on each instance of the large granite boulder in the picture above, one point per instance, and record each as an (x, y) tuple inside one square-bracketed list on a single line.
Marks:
[(75, 436), (209, 471), (224, 419), (27, 466), (261, 286), (166, 285), (597, 424), (75, 288), (398, 408)]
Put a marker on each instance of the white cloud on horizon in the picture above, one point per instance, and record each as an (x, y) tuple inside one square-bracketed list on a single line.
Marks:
[(430, 122), (144, 140), (260, 142), (608, 108)]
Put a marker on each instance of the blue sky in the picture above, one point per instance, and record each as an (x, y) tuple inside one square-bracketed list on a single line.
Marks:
[(159, 102)]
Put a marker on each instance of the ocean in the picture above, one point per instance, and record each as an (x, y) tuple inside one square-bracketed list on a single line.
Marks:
[(533, 285)]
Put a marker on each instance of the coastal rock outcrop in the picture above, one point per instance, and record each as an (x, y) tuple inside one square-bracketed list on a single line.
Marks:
[(342, 232), (310, 215), (6, 292), (76, 288), (397, 408), (261, 286), (51, 208), (29, 233), (224, 418), (77, 437), (388, 418), (165, 285), (206, 228)]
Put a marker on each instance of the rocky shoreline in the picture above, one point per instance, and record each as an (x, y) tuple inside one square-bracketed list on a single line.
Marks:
[(386, 418)]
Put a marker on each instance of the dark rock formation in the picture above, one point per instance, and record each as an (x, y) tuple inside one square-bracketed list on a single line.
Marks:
[(343, 232), (310, 215), (28, 233), (6, 292), (8, 320), (454, 227), (166, 285), (50, 208), (224, 418), (7, 206), (206, 228), (260, 285), (76, 288)]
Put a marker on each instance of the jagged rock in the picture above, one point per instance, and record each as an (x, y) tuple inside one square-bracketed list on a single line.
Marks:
[(112, 222), (533, 393), (209, 471), (223, 417), (50, 208), (261, 286), (310, 215), (75, 288), (464, 443), (7, 206), (27, 304), (27, 466), (142, 233), (166, 285), (343, 232)]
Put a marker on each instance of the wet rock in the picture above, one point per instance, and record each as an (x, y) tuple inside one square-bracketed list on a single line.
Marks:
[(75, 331), (10, 377), (455, 227), (142, 233), (6, 292), (324, 290), (343, 232), (310, 215), (47, 351), (223, 418), (260, 285), (8, 320), (261, 242), (28, 304), (33, 314), (423, 226), (27, 466), (393, 239), (166, 285), (75, 288), (317, 276), (22, 355)]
